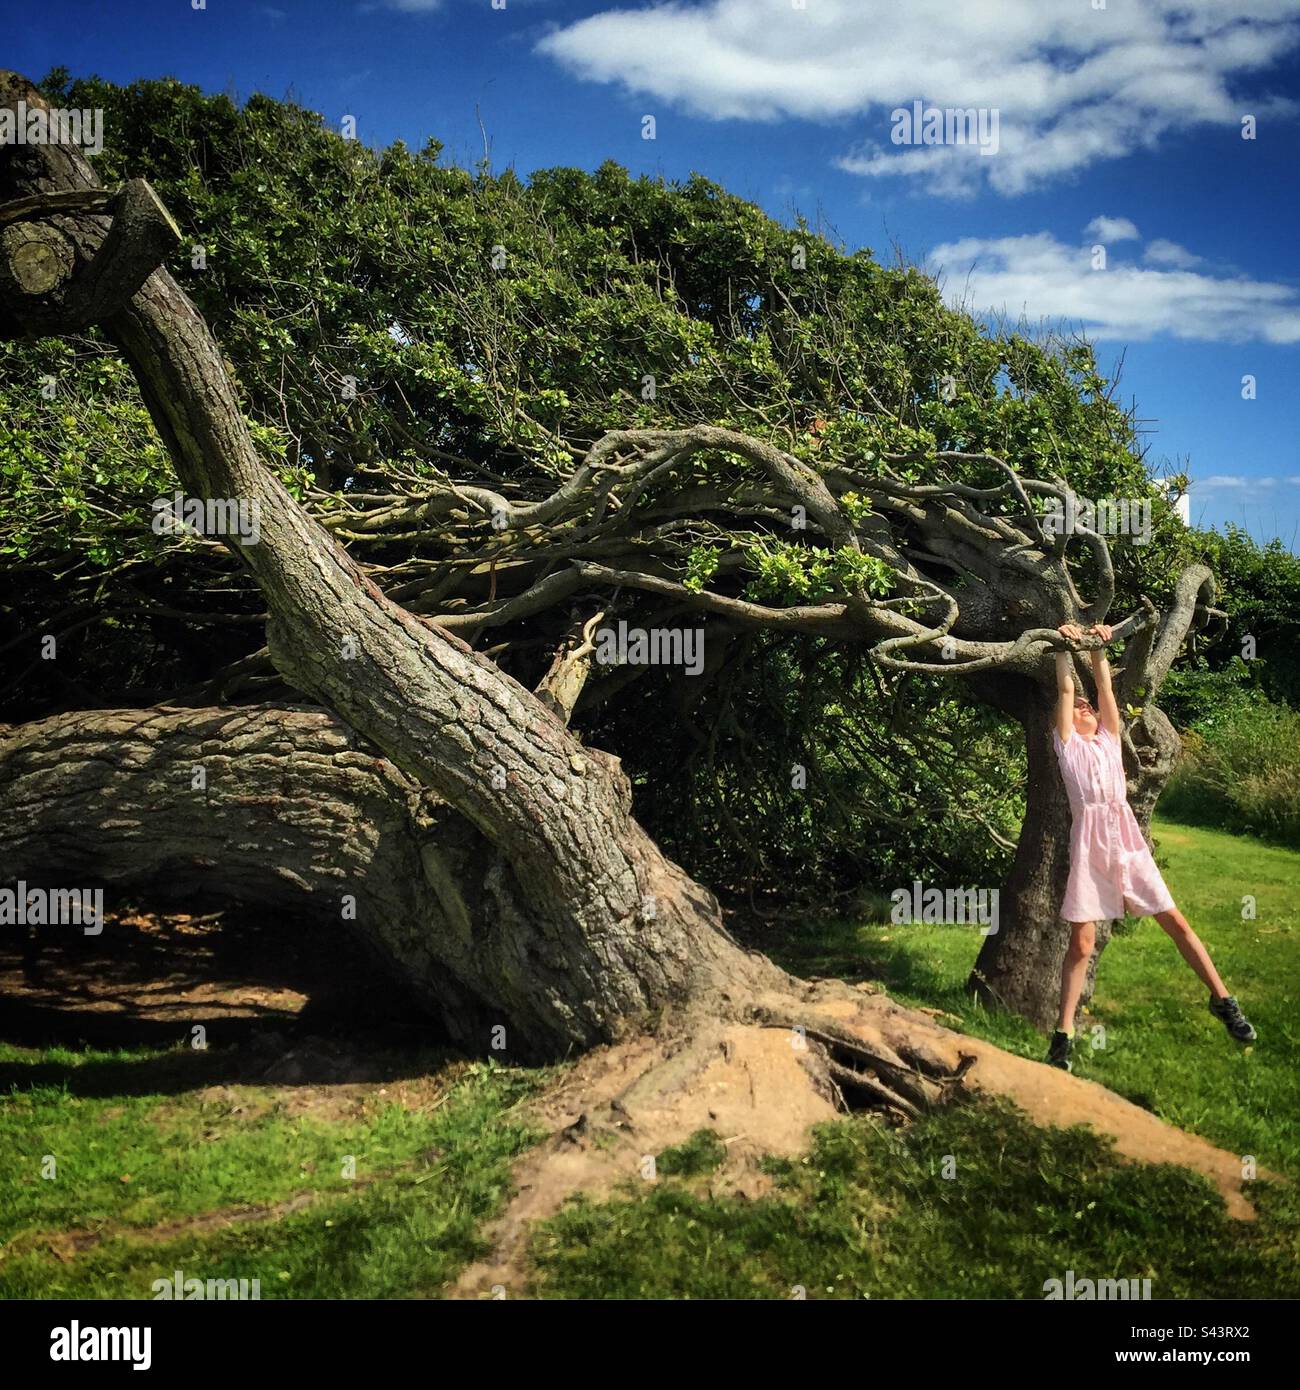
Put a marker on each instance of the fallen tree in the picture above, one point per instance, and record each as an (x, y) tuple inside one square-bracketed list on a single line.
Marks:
[(617, 928), (493, 856), (298, 812)]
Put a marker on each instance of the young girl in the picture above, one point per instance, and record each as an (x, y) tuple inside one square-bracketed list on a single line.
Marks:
[(1111, 868)]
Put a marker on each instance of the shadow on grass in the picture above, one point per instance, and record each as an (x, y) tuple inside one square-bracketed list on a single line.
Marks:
[(833, 946), (268, 1060), (120, 1013)]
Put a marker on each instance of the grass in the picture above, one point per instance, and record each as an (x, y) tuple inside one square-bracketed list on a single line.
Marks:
[(871, 1214), (974, 1203), (383, 1200), (971, 1202)]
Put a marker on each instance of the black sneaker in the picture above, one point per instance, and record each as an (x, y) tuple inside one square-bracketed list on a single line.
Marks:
[(1058, 1054), (1229, 1013)]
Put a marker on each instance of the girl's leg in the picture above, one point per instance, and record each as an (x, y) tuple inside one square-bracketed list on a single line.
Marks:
[(1192, 951), (1083, 938)]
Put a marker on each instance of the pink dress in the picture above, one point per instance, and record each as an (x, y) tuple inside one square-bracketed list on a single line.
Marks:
[(1111, 868)]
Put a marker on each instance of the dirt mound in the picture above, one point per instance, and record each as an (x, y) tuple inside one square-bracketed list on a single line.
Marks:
[(761, 1084)]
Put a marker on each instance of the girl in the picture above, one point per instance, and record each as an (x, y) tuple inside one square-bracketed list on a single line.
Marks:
[(1111, 868)]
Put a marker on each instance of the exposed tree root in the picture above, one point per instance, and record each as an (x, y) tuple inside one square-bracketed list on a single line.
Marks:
[(763, 1078)]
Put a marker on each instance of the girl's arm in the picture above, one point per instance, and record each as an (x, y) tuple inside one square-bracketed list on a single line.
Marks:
[(1065, 684), (1107, 709)]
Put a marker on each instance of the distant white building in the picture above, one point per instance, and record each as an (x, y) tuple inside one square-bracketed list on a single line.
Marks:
[(1181, 501)]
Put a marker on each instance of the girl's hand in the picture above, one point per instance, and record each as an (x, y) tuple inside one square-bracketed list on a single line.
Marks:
[(1072, 632), (1102, 630)]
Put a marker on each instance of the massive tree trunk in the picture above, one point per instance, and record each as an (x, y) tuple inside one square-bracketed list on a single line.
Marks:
[(617, 930), (295, 815)]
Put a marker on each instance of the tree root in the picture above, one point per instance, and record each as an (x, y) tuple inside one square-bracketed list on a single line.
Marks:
[(889, 1078), (843, 1051)]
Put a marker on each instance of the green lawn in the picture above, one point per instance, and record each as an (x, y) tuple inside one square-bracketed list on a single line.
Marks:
[(870, 1213), (974, 1203), (382, 1190), (380, 1198)]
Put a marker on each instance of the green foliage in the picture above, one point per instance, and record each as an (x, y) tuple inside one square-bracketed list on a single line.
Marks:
[(506, 324), (1240, 771), (1259, 588), (67, 484), (1199, 697), (798, 574), (804, 773), (701, 565)]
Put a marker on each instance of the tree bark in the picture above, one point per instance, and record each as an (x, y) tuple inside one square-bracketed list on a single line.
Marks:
[(288, 810), (624, 929), (1019, 966)]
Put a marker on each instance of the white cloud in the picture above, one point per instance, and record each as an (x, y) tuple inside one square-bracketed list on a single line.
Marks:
[(1221, 481), (1111, 229), (1072, 84), (1039, 277), (1162, 252)]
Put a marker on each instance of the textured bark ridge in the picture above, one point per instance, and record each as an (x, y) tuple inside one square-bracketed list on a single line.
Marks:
[(628, 931), (294, 812)]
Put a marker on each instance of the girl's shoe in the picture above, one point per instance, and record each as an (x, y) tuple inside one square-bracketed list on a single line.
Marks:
[(1058, 1054), (1229, 1013)]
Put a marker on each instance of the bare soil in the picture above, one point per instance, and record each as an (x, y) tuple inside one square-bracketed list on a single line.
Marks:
[(761, 1088)]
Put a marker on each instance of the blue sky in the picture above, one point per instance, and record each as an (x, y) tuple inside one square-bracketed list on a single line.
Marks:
[(1108, 123)]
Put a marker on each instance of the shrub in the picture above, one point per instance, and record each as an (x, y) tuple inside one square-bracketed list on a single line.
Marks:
[(1241, 771)]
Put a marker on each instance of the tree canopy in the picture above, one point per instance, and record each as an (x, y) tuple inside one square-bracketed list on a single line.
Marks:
[(395, 323)]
